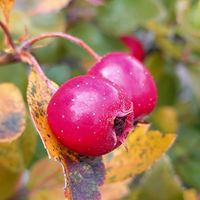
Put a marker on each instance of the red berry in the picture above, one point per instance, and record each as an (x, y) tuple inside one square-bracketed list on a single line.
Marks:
[(134, 45), (130, 74), (90, 115)]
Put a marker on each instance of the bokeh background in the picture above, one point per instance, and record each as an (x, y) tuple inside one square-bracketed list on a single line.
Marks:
[(169, 31)]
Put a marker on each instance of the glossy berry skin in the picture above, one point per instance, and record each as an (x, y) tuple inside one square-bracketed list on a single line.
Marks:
[(130, 74), (84, 115), (135, 46)]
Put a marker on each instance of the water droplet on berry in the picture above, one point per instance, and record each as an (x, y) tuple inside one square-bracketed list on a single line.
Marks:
[(78, 86), (63, 116)]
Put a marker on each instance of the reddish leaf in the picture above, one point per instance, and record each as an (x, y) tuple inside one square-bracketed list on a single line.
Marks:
[(12, 113), (49, 183), (47, 6), (82, 175)]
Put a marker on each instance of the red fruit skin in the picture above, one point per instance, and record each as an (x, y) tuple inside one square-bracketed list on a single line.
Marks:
[(81, 115), (130, 74), (134, 45)]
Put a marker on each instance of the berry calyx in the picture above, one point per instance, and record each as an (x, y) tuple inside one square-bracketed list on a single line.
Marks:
[(130, 74), (135, 46), (90, 115)]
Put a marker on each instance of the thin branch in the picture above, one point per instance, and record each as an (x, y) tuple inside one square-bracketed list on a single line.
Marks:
[(7, 58), (26, 44), (7, 35)]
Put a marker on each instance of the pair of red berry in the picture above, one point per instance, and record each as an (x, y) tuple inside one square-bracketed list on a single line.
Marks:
[(92, 114)]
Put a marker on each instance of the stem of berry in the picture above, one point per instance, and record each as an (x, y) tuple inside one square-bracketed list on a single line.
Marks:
[(29, 59), (26, 44)]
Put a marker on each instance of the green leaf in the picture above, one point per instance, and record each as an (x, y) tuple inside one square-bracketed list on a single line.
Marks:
[(188, 18), (93, 36), (170, 48), (170, 8), (120, 17), (15, 73), (155, 63), (36, 24), (58, 73), (8, 181), (166, 79), (194, 74), (11, 157), (159, 183), (167, 89), (28, 142), (186, 157), (55, 50)]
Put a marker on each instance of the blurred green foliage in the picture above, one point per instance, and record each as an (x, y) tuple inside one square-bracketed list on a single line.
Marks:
[(172, 55)]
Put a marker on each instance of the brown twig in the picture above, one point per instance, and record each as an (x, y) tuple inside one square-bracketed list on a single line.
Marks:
[(28, 43), (6, 58), (7, 35)]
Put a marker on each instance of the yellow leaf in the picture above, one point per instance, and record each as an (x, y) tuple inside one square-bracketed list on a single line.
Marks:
[(11, 157), (144, 148), (166, 119), (119, 190), (190, 194), (12, 113), (6, 6), (39, 93), (8, 182)]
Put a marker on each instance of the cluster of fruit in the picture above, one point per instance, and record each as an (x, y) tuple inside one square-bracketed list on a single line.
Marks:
[(92, 114)]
